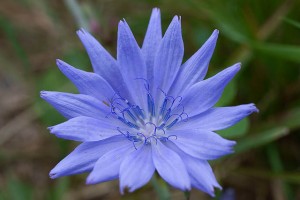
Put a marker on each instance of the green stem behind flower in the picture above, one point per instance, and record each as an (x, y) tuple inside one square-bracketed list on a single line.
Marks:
[(161, 188)]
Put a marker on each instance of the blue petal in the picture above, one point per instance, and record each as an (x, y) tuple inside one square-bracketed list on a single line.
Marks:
[(85, 129), (75, 105), (151, 42), (205, 94), (84, 157), (132, 65), (200, 172), (195, 68), (138, 161), (170, 166), (103, 63), (108, 166), (217, 118), (168, 58), (87, 83), (202, 144)]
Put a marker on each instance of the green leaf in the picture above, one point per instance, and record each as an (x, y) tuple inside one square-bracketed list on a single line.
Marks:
[(59, 189), (76, 10), (12, 37), (292, 22), (283, 51), (291, 177), (228, 94), (161, 188), (289, 119), (260, 139), (18, 190), (238, 130)]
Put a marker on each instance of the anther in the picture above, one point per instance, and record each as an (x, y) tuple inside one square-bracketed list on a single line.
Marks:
[(163, 108), (172, 123), (132, 125), (151, 105), (138, 111), (130, 114), (172, 136), (167, 115)]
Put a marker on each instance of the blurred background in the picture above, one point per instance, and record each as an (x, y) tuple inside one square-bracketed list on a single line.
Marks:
[(263, 35)]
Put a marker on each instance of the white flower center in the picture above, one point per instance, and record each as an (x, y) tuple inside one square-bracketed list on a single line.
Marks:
[(151, 124)]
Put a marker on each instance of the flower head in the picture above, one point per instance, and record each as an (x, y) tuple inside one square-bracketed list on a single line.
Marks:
[(146, 111)]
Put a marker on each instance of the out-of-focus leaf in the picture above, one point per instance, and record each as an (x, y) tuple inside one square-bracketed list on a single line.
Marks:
[(291, 177), (292, 22), (228, 94), (161, 188), (287, 52), (18, 190), (11, 35), (77, 13), (236, 131), (289, 120), (226, 19), (278, 167), (59, 189), (260, 139)]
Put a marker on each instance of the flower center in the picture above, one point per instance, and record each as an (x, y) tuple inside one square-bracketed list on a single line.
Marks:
[(148, 126)]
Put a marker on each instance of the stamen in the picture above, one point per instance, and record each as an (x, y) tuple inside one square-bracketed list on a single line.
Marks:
[(147, 87), (149, 138), (172, 123), (141, 134), (151, 106), (171, 111), (130, 114), (163, 108), (161, 126), (167, 115), (187, 117), (172, 136), (122, 120), (155, 127), (132, 125), (138, 111)]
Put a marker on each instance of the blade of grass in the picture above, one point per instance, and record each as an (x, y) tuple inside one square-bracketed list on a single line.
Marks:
[(11, 35), (77, 13), (288, 52), (260, 139), (277, 167), (292, 22), (161, 188), (290, 177)]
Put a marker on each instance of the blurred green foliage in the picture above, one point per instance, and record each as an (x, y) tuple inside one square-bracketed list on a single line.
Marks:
[(263, 35)]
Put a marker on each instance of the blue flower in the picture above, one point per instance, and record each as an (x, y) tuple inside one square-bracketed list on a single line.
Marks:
[(146, 111)]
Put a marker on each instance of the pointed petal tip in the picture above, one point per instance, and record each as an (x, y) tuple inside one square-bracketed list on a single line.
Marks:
[(50, 128), (59, 62), (216, 31), (211, 193), (44, 93), (176, 20), (155, 10), (122, 25), (254, 108), (238, 65), (232, 143), (81, 31), (215, 34), (234, 68), (89, 180), (53, 174)]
